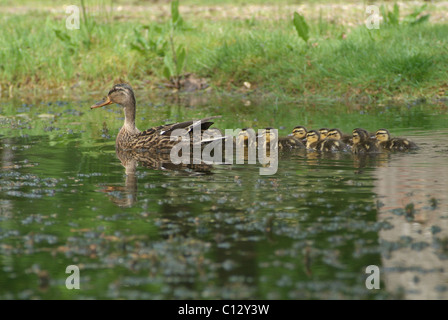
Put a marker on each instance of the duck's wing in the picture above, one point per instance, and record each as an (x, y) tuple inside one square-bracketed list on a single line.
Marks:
[(159, 138), (189, 126)]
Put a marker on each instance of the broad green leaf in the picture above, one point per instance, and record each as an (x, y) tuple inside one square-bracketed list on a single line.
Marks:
[(301, 26), (421, 19), (175, 15), (167, 73), (168, 70), (181, 55), (394, 16), (62, 36), (397, 11), (137, 48), (417, 11)]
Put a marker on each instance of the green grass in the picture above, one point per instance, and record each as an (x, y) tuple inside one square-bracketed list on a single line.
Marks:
[(339, 61)]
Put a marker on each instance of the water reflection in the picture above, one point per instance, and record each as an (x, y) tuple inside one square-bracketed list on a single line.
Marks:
[(126, 196), (157, 232), (413, 192)]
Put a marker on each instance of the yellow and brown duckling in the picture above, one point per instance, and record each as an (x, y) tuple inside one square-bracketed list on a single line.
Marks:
[(247, 137), (245, 144), (362, 142), (333, 142), (323, 133), (393, 144), (156, 139), (299, 132), (312, 139), (284, 143), (337, 134)]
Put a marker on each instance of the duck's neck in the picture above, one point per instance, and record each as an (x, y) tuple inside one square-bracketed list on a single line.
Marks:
[(129, 116)]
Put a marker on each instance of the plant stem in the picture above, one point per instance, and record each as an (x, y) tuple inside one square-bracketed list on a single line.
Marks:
[(173, 49)]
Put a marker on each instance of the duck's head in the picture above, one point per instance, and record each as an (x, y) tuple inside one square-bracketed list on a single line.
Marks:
[(334, 134), (312, 136), (382, 135), (121, 94), (359, 135), (299, 132), (323, 133), (244, 135), (269, 134)]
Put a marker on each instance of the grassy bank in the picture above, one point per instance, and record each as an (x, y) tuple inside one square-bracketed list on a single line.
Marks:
[(259, 53)]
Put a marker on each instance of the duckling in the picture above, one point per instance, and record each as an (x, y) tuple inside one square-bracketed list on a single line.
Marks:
[(287, 143), (333, 142), (299, 132), (362, 143), (247, 138), (245, 145), (336, 134), (284, 143), (323, 133), (312, 139), (393, 144)]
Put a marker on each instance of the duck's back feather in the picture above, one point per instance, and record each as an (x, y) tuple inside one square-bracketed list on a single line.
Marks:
[(158, 139)]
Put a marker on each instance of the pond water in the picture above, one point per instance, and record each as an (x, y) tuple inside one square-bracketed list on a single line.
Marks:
[(307, 232)]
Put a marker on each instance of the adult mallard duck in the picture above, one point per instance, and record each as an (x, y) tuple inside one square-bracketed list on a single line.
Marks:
[(362, 142), (393, 144), (156, 139)]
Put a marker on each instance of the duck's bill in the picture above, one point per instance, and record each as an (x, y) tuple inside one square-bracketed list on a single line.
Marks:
[(101, 103)]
